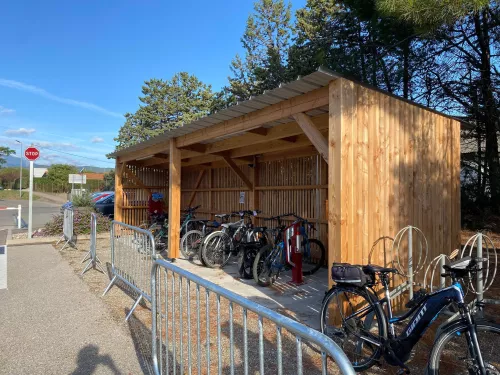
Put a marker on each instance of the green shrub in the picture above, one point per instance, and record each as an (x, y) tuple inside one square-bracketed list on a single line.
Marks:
[(84, 200), (81, 223)]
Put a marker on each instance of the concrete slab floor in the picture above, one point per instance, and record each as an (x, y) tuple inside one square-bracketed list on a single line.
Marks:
[(302, 303)]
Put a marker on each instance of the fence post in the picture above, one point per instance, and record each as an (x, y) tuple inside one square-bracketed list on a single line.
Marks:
[(93, 259), (19, 216)]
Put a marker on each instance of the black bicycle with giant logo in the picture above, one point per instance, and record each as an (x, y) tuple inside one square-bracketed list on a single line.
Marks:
[(353, 316)]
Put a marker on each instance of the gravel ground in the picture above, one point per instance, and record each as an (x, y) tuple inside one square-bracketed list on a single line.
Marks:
[(120, 300)]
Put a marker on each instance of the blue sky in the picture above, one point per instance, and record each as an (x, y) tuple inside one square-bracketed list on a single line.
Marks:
[(69, 70)]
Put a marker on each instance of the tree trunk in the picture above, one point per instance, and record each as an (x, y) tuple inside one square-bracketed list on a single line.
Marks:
[(406, 69), (481, 22)]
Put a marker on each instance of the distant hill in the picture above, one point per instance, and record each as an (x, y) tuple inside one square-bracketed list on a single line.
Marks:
[(13, 161)]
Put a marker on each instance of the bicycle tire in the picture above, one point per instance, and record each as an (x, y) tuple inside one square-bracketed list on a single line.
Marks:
[(191, 243), (315, 261), (449, 359), (263, 277), (373, 327), (217, 249)]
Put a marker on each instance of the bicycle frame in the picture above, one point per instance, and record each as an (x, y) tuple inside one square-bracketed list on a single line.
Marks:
[(423, 315)]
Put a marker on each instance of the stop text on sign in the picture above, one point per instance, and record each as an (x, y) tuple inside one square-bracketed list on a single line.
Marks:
[(31, 153)]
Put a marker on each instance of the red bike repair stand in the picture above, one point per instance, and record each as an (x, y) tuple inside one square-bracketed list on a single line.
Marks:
[(297, 278)]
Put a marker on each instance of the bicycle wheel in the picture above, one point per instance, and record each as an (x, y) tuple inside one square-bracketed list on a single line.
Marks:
[(356, 324), (217, 249), (451, 354), (191, 243), (313, 258), (264, 269)]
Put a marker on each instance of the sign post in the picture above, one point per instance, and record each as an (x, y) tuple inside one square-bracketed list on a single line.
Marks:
[(31, 153)]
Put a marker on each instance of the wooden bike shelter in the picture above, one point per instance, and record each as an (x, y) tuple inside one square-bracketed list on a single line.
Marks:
[(357, 161)]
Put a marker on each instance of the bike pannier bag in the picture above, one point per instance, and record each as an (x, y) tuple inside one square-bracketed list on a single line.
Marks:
[(345, 273)]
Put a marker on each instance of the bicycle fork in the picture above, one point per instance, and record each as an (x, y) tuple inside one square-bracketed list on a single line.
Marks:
[(473, 343)]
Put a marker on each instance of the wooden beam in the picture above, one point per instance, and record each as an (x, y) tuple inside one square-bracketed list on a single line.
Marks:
[(259, 131), (197, 185), (151, 162), (238, 171), (161, 155), (291, 139), (313, 134), (289, 129), (136, 180), (196, 147), (303, 103), (250, 150), (119, 191), (174, 200)]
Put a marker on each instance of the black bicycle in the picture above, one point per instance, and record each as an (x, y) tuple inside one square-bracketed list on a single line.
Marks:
[(353, 316)]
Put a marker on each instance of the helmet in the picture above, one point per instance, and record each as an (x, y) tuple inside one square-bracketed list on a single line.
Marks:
[(157, 196)]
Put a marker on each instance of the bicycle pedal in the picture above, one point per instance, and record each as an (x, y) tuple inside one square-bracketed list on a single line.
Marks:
[(402, 371)]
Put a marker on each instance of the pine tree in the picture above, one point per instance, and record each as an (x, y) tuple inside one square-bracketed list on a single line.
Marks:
[(166, 105), (266, 42)]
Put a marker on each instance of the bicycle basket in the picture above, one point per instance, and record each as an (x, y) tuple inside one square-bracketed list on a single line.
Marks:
[(345, 273)]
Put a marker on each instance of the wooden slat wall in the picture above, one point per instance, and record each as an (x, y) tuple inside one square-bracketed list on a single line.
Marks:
[(307, 202), (400, 166), (155, 179)]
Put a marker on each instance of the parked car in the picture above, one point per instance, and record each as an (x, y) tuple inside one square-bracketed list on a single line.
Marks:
[(101, 194), (106, 205)]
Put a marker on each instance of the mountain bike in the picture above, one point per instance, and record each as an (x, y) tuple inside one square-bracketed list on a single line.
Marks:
[(192, 241), (159, 226), (271, 260), (354, 317), (219, 246)]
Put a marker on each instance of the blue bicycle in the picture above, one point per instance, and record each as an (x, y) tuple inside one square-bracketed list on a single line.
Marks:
[(353, 316)]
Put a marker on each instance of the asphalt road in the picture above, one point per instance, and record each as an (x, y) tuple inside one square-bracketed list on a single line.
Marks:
[(42, 212)]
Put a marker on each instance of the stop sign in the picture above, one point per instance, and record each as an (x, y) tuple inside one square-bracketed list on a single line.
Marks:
[(31, 153)]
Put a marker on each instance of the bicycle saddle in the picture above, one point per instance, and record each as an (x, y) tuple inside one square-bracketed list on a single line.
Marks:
[(223, 216), (259, 229), (372, 268), (233, 225)]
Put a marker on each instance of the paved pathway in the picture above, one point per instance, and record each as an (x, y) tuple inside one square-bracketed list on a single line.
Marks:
[(50, 323)]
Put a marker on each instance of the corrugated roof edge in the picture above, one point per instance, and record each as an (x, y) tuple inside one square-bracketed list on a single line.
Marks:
[(256, 102), (259, 102)]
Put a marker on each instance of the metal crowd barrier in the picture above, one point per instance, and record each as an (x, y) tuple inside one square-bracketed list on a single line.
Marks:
[(93, 259), (132, 256), (188, 332), (67, 228)]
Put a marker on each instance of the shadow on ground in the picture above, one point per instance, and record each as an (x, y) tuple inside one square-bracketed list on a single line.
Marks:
[(89, 358)]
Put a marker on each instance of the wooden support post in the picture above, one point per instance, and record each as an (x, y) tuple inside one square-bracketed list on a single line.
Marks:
[(254, 204), (198, 182), (334, 174), (314, 135), (174, 200), (119, 191), (238, 171)]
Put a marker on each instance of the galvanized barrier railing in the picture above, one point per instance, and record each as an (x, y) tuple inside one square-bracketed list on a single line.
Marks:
[(241, 335), (17, 218), (68, 235), (132, 256), (93, 259)]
